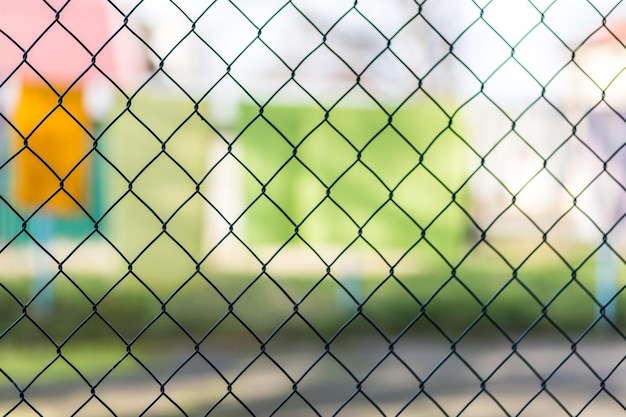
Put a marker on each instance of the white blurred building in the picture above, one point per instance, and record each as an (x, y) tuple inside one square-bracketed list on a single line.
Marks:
[(522, 76)]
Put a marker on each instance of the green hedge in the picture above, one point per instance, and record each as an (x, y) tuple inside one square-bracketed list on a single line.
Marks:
[(435, 300)]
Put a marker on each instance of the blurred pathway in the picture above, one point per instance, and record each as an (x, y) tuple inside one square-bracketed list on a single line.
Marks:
[(451, 382)]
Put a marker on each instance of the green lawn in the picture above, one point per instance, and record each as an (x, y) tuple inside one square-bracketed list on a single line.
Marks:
[(42, 363)]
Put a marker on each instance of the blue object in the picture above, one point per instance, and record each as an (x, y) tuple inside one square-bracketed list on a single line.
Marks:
[(42, 230), (606, 282)]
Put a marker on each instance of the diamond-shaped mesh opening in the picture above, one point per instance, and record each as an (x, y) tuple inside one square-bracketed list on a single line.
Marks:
[(95, 362), (447, 393), (195, 386), (195, 297), (228, 358), (310, 152), (395, 318), (245, 307), (312, 208), (323, 371), (273, 31), (134, 396), (529, 89), (327, 296), (260, 376), (20, 367), (588, 95), (139, 304), (557, 16), (80, 307), (163, 278), (287, 351), (454, 292), (40, 399), (585, 386)]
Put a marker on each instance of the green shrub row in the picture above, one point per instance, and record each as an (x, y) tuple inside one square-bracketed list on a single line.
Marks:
[(472, 302)]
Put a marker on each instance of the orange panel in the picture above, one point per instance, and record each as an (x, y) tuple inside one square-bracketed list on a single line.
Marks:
[(50, 149)]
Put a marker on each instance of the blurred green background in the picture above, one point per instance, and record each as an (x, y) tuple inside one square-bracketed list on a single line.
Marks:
[(360, 158), (331, 178)]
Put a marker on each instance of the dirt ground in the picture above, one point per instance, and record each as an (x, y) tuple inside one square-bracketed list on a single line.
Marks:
[(417, 377)]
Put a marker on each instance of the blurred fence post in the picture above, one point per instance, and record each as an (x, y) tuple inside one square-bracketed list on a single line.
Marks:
[(351, 279), (42, 231), (607, 283), (98, 101), (609, 132), (223, 185)]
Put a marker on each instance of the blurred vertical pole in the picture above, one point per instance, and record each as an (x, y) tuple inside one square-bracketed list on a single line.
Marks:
[(224, 185), (98, 102), (352, 280), (42, 230), (609, 133), (4, 143), (606, 283), (603, 64), (9, 95)]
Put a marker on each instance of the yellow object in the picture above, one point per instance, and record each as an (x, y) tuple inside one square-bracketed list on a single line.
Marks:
[(49, 150)]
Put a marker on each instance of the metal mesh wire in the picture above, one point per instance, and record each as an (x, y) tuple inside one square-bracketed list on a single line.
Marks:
[(233, 207)]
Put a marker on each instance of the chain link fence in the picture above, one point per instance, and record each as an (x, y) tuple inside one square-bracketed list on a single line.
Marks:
[(312, 208)]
